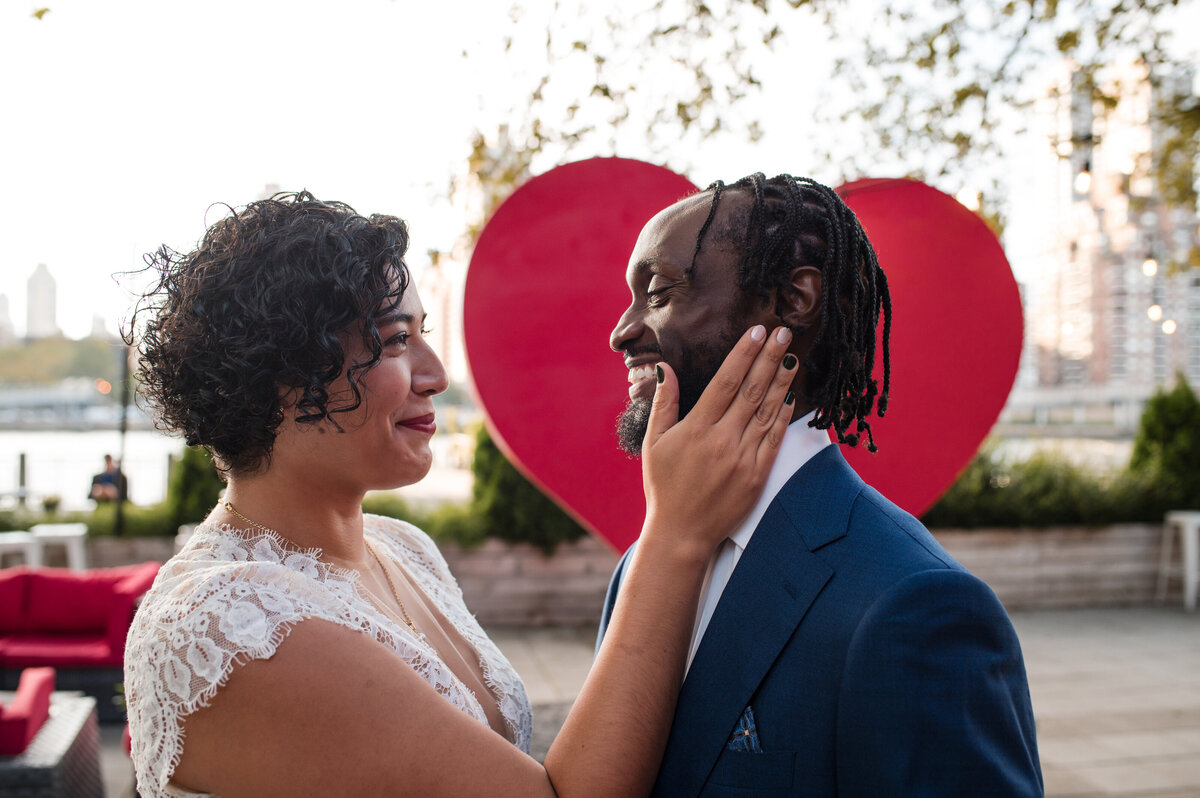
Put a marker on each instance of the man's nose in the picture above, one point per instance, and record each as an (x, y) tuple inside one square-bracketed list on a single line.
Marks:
[(629, 328)]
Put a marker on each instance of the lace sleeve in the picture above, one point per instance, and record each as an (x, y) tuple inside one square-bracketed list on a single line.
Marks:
[(201, 618), (231, 597)]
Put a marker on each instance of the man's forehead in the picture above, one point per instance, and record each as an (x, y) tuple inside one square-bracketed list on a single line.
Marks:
[(670, 236), (673, 228)]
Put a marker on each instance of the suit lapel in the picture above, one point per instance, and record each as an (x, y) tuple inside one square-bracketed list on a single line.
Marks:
[(775, 581)]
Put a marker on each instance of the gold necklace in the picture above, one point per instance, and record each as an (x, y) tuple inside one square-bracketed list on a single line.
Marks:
[(263, 527), (395, 594)]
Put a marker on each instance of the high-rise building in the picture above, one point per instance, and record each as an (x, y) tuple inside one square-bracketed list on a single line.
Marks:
[(41, 308), (1112, 310), (7, 333)]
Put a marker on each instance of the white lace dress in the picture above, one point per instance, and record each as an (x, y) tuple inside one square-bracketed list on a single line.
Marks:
[(231, 596)]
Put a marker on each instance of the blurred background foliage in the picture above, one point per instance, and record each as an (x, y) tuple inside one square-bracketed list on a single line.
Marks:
[(1046, 490), (933, 89), (50, 360)]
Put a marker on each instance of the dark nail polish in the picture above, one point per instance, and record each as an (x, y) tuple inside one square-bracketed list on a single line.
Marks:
[(790, 399), (789, 361), (662, 375)]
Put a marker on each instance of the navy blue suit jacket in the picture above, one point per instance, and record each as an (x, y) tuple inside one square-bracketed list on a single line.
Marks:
[(872, 663)]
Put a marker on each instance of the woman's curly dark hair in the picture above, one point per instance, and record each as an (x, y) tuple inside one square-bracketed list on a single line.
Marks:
[(259, 311)]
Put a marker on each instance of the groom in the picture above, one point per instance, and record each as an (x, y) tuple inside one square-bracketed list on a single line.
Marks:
[(837, 649)]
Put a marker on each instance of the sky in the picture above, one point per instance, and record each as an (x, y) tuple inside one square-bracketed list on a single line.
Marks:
[(127, 122)]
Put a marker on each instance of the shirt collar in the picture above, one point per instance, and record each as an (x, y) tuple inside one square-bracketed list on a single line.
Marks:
[(800, 443)]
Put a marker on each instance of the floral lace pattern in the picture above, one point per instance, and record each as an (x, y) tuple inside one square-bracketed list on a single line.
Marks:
[(231, 596)]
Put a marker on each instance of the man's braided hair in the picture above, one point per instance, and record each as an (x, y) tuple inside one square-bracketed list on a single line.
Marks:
[(795, 221)]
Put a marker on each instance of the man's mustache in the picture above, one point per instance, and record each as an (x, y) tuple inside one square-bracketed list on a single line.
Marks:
[(648, 349)]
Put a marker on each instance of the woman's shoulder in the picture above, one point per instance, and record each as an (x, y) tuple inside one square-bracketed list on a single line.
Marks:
[(220, 559), (227, 598), (230, 595)]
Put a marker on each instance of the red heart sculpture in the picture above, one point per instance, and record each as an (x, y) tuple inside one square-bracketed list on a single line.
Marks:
[(546, 285)]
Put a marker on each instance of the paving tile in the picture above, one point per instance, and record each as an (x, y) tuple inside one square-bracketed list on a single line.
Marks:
[(1129, 778), (1066, 784)]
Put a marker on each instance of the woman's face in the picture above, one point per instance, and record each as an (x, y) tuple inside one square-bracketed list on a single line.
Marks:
[(385, 441)]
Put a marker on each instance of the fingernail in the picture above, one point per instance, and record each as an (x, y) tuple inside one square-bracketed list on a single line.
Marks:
[(758, 332), (784, 335), (790, 399), (789, 361), (662, 375)]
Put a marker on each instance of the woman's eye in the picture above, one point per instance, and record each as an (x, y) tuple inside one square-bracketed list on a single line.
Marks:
[(425, 331), (399, 339)]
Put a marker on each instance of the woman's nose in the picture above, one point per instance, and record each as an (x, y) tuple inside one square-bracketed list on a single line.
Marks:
[(429, 376)]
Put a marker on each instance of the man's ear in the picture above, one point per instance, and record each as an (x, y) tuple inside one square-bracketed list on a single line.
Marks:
[(799, 300)]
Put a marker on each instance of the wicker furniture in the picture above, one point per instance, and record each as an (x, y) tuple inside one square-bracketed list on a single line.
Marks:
[(63, 760)]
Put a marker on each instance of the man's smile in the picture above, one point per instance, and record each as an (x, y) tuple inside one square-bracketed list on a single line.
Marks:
[(642, 379)]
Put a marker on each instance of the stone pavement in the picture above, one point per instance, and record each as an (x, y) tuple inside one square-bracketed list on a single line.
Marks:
[(1116, 694)]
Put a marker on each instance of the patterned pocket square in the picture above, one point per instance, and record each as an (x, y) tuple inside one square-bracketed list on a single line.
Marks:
[(745, 734)]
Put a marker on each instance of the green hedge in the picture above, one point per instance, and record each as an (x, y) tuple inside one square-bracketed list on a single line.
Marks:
[(1047, 490), (1163, 474)]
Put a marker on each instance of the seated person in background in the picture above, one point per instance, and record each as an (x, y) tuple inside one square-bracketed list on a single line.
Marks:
[(109, 485)]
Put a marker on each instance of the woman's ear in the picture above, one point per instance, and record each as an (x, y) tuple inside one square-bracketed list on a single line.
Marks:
[(799, 300)]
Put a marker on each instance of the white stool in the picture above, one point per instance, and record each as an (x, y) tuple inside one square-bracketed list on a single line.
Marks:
[(24, 543), (1187, 524), (70, 535)]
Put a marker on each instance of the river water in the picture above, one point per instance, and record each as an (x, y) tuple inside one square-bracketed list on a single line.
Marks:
[(62, 464)]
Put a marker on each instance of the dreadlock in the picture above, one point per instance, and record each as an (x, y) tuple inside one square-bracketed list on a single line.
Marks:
[(794, 221)]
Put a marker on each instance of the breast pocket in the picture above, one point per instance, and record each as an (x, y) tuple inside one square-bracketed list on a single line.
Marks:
[(760, 774)]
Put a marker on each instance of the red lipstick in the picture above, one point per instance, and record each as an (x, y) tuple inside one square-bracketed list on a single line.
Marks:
[(423, 423)]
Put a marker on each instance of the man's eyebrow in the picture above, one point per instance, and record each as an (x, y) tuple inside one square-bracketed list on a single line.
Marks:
[(652, 264)]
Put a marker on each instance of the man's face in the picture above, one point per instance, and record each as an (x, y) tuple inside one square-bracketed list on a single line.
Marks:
[(690, 321)]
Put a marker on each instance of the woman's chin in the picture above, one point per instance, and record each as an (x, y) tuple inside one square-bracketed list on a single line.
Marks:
[(411, 475)]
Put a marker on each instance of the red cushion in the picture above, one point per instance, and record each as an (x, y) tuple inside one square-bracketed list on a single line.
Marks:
[(28, 710), (64, 651), (134, 582), (69, 601), (14, 583)]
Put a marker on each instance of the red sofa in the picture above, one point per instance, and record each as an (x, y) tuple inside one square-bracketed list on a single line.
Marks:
[(74, 621), (24, 715)]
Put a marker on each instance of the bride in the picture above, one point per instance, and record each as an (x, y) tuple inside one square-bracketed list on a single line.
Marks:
[(297, 646)]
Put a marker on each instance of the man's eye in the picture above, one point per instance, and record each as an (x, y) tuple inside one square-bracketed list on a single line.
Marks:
[(657, 298)]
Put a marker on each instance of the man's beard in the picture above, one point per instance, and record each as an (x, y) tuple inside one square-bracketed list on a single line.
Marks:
[(698, 365)]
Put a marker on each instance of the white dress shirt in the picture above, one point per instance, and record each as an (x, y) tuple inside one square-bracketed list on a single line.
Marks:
[(800, 443)]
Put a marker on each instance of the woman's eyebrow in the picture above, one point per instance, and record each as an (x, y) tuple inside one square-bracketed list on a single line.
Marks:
[(394, 317)]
